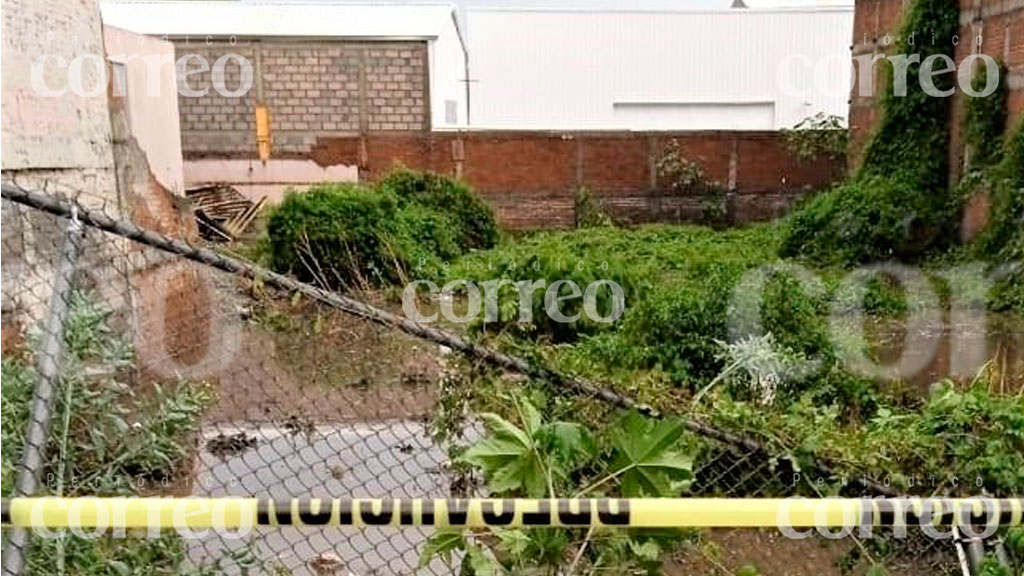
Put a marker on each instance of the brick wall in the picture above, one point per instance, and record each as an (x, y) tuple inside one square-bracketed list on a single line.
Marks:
[(530, 177), (1000, 23), (312, 89)]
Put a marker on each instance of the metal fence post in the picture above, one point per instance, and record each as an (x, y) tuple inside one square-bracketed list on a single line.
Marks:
[(51, 349)]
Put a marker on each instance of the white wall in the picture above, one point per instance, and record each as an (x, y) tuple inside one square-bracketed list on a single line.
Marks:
[(447, 77), (151, 98), (656, 70)]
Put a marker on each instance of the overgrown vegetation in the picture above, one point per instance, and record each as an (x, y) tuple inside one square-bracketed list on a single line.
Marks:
[(971, 435), (1003, 240), (685, 177), (898, 204), (530, 456), (588, 211), (763, 363), (349, 236), (985, 120), (819, 136), (107, 438)]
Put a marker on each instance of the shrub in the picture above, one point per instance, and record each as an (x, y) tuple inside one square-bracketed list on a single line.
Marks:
[(636, 259), (550, 258), (968, 434), (346, 235), (821, 135), (337, 235), (686, 178), (588, 211), (676, 329), (899, 203), (474, 223), (871, 218), (428, 238)]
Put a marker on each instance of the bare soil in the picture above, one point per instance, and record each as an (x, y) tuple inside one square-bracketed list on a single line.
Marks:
[(727, 552), (302, 363)]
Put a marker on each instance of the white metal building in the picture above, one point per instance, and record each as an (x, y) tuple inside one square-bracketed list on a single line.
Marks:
[(437, 24), (740, 69)]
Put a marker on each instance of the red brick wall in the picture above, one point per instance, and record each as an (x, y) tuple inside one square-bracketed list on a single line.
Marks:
[(1001, 26), (530, 177)]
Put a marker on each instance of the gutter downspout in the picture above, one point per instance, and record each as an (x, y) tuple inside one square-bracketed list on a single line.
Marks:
[(465, 57)]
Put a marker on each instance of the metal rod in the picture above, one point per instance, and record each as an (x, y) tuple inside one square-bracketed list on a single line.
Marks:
[(48, 363)]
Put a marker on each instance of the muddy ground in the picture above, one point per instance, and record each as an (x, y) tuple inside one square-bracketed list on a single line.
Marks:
[(299, 368)]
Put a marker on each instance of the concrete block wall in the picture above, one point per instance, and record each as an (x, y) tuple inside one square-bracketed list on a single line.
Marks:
[(211, 122), (396, 87), (312, 89)]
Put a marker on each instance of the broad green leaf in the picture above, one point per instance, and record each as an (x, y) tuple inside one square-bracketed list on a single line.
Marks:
[(531, 417), (481, 561), (515, 542), (524, 474), (441, 544), (645, 449), (640, 438), (566, 440), (502, 428), (508, 459)]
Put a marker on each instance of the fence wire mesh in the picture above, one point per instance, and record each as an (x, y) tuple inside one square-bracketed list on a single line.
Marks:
[(176, 378)]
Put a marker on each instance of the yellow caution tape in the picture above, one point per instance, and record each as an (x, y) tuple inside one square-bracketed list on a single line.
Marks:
[(229, 513)]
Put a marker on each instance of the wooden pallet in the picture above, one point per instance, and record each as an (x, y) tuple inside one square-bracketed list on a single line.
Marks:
[(222, 212)]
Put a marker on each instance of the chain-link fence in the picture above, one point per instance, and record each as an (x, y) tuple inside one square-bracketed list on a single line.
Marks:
[(136, 364)]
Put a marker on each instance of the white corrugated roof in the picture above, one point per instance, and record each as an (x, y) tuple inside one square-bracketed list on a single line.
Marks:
[(262, 19)]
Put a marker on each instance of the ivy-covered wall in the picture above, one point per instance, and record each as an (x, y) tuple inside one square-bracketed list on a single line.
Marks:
[(999, 24)]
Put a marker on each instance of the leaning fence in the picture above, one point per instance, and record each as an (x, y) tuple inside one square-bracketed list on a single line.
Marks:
[(137, 362)]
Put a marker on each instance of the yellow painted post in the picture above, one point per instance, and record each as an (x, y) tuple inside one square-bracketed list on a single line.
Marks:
[(263, 132)]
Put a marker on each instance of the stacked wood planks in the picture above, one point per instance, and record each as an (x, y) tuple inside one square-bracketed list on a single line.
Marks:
[(222, 212)]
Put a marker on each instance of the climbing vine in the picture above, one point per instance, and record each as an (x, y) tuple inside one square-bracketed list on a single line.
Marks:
[(899, 203), (1003, 240), (985, 120), (685, 177)]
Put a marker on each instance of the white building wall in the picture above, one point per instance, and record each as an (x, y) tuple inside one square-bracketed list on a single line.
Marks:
[(150, 93), (447, 78), (657, 70)]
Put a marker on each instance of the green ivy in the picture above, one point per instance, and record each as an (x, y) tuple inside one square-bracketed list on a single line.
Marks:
[(986, 120), (899, 203), (1003, 239)]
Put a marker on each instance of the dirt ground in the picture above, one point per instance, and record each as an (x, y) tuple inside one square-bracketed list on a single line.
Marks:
[(727, 552), (300, 363)]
